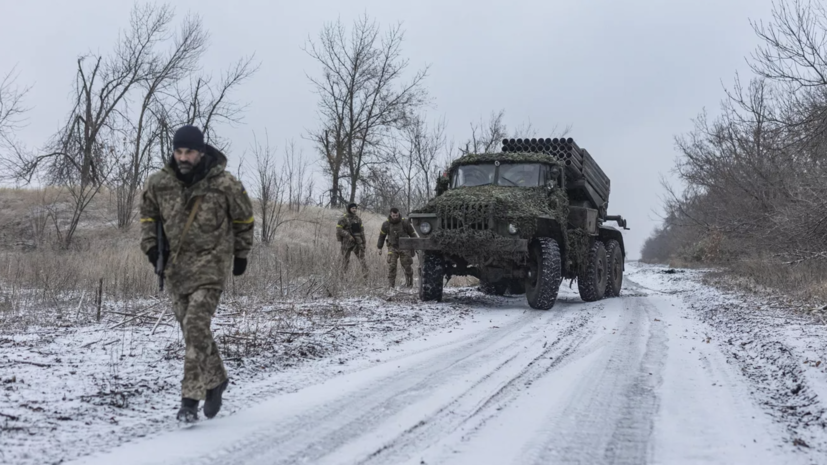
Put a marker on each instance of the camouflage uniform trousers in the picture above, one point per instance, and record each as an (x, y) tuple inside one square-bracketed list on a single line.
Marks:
[(203, 367), (404, 257), (356, 246)]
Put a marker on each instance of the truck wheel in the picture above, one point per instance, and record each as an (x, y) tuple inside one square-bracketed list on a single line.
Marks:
[(431, 276), (516, 286), (592, 282), (497, 288), (545, 274), (614, 259)]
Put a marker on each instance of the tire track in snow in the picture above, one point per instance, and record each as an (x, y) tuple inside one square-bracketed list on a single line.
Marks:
[(481, 403), (610, 417)]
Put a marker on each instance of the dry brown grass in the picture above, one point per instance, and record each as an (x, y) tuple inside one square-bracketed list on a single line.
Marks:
[(806, 281), (38, 278)]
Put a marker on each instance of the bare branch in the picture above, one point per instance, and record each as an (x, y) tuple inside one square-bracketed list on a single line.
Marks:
[(12, 118)]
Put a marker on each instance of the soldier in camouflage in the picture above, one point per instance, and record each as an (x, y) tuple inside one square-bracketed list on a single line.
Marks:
[(395, 227), (208, 220), (351, 234)]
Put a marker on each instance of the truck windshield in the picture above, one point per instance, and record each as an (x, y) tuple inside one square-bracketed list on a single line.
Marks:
[(509, 174), (474, 175), (520, 174)]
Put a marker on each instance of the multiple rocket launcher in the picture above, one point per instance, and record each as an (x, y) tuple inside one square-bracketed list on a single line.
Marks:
[(581, 169)]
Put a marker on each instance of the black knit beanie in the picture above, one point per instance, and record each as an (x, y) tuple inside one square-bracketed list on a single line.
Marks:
[(351, 205), (189, 137)]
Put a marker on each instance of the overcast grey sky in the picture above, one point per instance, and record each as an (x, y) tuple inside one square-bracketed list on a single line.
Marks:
[(627, 76)]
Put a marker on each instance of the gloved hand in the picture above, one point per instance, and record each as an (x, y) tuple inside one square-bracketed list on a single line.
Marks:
[(380, 251), (152, 254), (239, 265)]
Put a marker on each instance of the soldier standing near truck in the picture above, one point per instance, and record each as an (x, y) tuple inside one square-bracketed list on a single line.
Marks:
[(208, 220), (392, 229), (351, 234)]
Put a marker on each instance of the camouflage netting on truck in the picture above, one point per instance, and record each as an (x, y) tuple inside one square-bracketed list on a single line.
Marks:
[(463, 209), (478, 247), (510, 157)]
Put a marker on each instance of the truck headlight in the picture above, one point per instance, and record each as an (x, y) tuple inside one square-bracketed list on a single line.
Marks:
[(512, 229), (425, 227)]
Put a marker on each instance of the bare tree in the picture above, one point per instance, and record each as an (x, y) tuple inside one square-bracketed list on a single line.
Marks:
[(754, 174), (298, 181), (78, 154), (414, 158), (163, 70), (362, 96), (381, 189), (793, 57), (270, 189), (11, 107), (486, 136), (401, 159), (11, 119), (101, 86), (431, 144), (205, 103), (793, 50), (282, 188)]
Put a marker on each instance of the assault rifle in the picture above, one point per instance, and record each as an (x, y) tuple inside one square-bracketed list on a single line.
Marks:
[(163, 251)]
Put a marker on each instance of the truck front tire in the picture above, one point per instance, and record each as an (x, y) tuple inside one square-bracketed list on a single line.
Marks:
[(432, 274), (592, 281), (545, 273)]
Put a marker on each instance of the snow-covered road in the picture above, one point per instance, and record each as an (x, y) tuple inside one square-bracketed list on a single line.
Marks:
[(632, 380)]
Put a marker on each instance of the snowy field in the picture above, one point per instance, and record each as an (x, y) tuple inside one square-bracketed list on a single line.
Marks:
[(672, 372)]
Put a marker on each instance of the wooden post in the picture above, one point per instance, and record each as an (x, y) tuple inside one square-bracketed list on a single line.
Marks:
[(100, 299)]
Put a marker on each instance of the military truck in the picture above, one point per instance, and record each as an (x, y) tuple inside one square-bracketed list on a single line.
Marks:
[(521, 220)]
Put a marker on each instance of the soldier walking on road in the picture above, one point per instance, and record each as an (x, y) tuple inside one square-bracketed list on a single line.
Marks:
[(208, 220), (351, 234), (392, 229)]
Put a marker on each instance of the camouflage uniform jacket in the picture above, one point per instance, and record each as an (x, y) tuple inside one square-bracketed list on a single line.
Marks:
[(393, 230), (223, 224), (349, 225)]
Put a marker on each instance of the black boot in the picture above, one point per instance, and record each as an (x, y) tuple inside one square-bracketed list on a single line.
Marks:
[(213, 403), (188, 412)]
